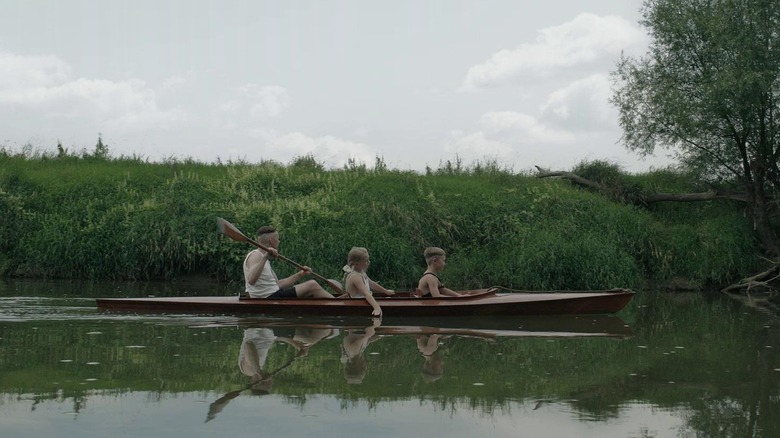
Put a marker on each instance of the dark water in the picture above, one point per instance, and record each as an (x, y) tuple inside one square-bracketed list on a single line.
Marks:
[(666, 366)]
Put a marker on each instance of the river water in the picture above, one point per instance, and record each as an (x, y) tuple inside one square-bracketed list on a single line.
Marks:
[(666, 366)]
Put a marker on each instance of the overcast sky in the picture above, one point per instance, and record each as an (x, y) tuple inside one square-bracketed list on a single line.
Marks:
[(412, 81)]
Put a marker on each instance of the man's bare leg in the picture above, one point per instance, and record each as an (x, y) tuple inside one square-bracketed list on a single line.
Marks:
[(311, 289)]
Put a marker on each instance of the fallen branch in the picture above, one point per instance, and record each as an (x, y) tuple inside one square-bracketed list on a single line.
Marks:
[(763, 279), (647, 198), (692, 197), (576, 179)]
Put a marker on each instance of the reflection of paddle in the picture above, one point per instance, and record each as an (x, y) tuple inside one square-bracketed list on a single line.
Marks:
[(219, 404), (234, 233)]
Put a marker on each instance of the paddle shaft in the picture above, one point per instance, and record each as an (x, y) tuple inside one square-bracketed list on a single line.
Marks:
[(234, 233), (219, 404)]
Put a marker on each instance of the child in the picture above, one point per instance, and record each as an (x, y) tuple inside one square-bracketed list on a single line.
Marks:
[(356, 282), (430, 285)]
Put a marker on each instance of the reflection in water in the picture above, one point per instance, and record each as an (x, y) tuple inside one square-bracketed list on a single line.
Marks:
[(698, 367), (429, 347), (262, 334), (253, 356), (353, 348)]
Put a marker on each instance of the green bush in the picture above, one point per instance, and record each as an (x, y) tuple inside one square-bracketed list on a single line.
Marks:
[(70, 216)]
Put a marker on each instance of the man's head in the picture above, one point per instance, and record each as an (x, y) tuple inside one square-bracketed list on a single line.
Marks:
[(268, 236)]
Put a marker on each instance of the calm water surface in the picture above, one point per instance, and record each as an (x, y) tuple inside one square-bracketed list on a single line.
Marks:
[(666, 366)]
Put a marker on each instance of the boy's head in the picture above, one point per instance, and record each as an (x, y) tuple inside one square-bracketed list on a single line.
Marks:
[(356, 255), (433, 254)]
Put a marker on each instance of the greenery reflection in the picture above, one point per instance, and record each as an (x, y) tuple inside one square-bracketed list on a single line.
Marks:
[(710, 362)]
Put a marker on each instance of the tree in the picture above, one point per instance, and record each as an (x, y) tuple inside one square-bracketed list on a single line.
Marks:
[(708, 90), (101, 149)]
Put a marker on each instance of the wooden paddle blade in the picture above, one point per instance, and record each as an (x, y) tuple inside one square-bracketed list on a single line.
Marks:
[(230, 230), (335, 285)]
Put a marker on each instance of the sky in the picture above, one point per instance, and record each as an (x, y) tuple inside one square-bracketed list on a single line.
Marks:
[(416, 83)]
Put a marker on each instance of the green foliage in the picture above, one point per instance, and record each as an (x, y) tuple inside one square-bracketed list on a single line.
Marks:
[(708, 90), (307, 162), (101, 149), (616, 184), (123, 218), (707, 86)]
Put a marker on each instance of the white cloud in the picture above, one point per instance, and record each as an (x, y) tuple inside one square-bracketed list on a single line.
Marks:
[(519, 128), (508, 135), (22, 72), (42, 84), (573, 118), (265, 101), (583, 105), (253, 108), (176, 82), (264, 134), (588, 41), (475, 146), (361, 132), (230, 106), (333, 151), (252, 104)]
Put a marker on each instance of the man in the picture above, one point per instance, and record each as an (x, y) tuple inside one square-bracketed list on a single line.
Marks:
[(261, 280)]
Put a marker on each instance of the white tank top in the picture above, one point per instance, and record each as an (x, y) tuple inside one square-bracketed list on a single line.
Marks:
[(356, 293), (266, 285), (261, 339)]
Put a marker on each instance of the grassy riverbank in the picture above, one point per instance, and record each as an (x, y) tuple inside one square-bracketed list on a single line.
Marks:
[(101, 218)]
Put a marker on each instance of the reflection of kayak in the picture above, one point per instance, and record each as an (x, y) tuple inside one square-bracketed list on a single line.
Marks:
[(524, 326), (478, 302), (500, 326)]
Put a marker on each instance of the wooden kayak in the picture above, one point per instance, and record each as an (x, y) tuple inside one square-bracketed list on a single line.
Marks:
[(482, 302)]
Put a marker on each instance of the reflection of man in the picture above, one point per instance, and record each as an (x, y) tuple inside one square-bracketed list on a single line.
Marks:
[(258, 341), (433, 367), (252, 357), (253, 354), (352, 348)]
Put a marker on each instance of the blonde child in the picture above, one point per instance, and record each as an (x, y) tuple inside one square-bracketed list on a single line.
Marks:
[(356, 282), (430, 285)]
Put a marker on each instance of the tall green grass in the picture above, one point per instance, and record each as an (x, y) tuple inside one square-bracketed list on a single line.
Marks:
[(103, 218)]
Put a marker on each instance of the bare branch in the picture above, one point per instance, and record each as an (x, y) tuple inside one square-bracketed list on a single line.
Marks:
[(570, 176)]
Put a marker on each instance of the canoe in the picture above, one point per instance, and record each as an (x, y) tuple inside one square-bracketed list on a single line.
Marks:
[(482, 302)]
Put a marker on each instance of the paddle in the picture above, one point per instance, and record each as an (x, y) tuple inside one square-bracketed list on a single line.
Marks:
[(218, 405), (234, 233)]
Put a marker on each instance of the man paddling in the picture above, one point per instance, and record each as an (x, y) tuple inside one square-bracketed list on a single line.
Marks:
[(260, 280)]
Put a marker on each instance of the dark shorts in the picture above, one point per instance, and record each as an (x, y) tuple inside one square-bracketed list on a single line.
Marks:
[(288, 292)]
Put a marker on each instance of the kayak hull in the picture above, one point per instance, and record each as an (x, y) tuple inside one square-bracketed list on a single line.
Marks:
[(477, 303)]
